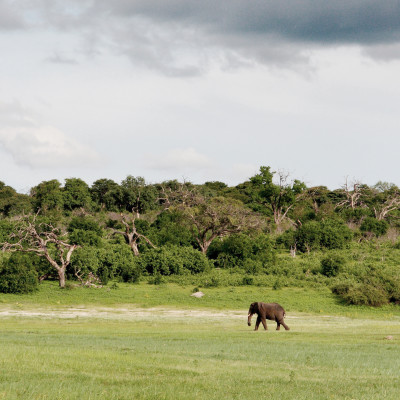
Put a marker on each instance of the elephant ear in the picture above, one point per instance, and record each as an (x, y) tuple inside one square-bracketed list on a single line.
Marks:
[(253, 308), (261, 306)]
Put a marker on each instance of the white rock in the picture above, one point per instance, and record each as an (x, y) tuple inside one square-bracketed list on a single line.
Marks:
[(198, 294)]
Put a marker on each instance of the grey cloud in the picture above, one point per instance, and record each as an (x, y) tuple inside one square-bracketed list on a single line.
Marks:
[(183, 37), (10, 19), (319, 21)]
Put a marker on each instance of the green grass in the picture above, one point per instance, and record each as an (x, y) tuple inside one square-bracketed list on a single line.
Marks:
[(306, 300), (198, 358), (332, 351)]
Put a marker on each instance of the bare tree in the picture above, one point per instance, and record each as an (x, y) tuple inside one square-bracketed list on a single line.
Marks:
[(391, 203), (43, 239), (217, 217), (130, 234), (353, 192)]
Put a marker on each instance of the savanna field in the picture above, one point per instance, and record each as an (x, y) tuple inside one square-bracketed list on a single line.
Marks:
[(171, 171), (157, 342), (96, 289)]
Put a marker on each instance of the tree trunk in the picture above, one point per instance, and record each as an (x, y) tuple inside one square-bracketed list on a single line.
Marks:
[(61, 278), (134, 248)]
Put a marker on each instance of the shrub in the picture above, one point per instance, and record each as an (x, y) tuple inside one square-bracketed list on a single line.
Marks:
[(361, 294), (83, 261), (18, 274), (236, 250), (332, 265), (169, 260), (372, 225), (85, 231), (328, 234), (248, 280), (120, 262), (253, 266), (82, 237), (169, 229)]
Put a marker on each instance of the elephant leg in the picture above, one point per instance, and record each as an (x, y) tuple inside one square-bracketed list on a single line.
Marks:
[(282, 322), (264, 322), (257, 323), (286, 327), (278, 325)]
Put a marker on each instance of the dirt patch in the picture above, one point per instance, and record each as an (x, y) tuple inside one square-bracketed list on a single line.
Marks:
[(119, 313)]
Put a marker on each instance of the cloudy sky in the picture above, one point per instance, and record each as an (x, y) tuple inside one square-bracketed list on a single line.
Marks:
[(199, 90)]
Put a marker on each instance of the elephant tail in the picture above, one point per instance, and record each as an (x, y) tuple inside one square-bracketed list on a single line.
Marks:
[(284, 313)]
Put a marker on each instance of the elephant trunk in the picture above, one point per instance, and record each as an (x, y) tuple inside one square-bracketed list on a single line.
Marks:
[(249, 319)]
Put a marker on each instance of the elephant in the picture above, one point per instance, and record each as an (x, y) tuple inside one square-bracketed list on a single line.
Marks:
[(272, 311)]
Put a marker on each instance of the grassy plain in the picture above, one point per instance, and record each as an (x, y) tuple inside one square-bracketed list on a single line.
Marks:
[(157, 342)]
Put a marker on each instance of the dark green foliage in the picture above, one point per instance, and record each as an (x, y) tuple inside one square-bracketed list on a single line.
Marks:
[(116, 261), (82, 237), (84, 259), (85, 231), (169, 260), (332, 265), (156, 279), (107, 195), (248, 280), (241, 250), (6, 227), (120, 263), (18, 274), (314, 235), (170, 229), (354, 215), (361, 294), (13, 203), (335, 234), (76, 194), (277, 284), (273, 198), (137, 195), (48, 196), (129, 272), (372, 225), (373, 286)]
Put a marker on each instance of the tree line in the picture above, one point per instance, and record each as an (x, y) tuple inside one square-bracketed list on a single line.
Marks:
[(123, 230)]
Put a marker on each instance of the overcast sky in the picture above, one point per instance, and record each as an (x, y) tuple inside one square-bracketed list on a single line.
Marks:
[(199, 90)]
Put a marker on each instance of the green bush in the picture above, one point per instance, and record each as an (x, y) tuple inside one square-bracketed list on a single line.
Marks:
[(82, 237), (83, 261), (248, 280), (361, 294), (18, 274), (372, 285), (372, 225), (332, 265), (169, 260), (85, 231), (120, 262), (169, 229), (237, 250), (326, 234)]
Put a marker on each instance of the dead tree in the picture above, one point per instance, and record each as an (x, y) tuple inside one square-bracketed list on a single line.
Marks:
[(208, 218), (91, 280), (352, 195), (130, 234), (43, 239), (392, 203)]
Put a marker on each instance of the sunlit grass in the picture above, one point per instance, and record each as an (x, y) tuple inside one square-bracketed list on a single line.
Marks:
[(198, 358), (304, 300), (157, 342)]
